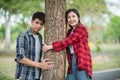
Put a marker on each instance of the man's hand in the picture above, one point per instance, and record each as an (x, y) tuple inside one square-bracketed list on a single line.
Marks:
[(45, 64)]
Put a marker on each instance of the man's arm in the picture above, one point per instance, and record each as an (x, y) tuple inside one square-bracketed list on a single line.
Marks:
[(43, 64)]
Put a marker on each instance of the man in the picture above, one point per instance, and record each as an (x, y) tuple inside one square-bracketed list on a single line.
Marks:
[(28, 51)]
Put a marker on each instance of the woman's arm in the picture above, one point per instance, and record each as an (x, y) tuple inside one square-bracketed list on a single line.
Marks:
[(73, 38), (46, 47)]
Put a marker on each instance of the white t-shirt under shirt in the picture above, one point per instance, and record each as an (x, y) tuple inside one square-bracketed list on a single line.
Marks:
[(71, 46), (37, 54)]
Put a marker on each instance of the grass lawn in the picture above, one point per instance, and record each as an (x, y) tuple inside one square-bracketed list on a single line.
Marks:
[(7, 67), (107, 58), (112, 62)]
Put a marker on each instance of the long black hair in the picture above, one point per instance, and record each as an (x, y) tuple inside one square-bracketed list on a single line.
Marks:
[(71, 10)]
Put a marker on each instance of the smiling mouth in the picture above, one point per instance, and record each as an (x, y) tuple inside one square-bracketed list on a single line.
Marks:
[(71, 22)]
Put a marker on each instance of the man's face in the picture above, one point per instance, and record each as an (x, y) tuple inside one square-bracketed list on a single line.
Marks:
[(36, 25)]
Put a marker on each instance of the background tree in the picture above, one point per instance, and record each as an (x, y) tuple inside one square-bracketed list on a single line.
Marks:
[(88, 7), (9, 8), (113, 29), (54, 31)]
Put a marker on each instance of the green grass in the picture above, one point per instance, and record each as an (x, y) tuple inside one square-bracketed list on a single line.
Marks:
[(7, 67), (106, 61), (107, 65), (5, 77), (111, 51)]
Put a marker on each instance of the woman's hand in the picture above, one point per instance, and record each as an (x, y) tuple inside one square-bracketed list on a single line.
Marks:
[(46, 47)]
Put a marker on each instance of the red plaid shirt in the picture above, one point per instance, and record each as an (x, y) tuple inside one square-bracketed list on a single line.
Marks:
[(79, 40)]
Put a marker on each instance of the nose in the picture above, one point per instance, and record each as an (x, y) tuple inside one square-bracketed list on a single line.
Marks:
[(71, 18), (38, 26)]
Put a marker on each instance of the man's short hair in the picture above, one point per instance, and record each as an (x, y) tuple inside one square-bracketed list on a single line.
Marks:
[(39, 15)]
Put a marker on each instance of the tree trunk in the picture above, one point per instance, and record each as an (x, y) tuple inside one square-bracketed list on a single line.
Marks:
[(55, 30)]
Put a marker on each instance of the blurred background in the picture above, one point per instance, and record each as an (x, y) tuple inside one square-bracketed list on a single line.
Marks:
[(101, 17)]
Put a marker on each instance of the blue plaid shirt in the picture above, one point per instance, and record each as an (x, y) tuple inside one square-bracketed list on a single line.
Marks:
[(25, 48)]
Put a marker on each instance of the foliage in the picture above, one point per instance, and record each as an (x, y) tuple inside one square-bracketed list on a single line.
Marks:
[(113, 28), (91, 11), (2, 31), (88, 7), (26, 7), (16, 30)]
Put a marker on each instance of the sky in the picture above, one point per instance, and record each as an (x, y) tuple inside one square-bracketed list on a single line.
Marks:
[(114, 9)]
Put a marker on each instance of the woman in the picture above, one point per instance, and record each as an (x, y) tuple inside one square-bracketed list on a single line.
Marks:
[(76, 44)]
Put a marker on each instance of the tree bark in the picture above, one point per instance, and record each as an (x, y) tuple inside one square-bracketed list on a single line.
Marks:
[(55, 30)]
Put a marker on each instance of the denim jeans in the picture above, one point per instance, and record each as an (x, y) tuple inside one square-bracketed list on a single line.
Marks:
[(76, 74)]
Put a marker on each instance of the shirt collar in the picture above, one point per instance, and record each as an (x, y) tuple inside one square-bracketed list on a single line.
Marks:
[(30, 32)]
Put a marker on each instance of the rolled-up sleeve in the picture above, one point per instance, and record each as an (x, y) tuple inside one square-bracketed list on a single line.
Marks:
[(20, 48)]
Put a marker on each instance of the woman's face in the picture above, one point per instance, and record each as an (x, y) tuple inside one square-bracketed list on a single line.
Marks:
[(72, 19)]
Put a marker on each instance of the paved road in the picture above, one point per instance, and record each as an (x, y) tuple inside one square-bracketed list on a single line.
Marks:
[(107, 75)]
